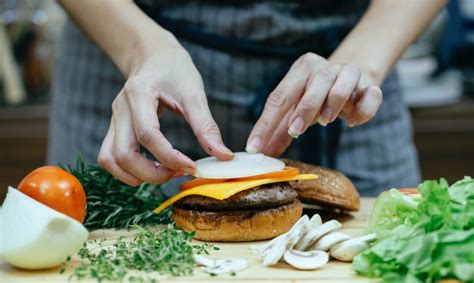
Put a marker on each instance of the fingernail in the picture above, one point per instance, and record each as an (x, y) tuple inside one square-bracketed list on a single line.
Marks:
[(325, 117), (224, 148), (351, 121), (253, 145), (188, 170), (296, 127)]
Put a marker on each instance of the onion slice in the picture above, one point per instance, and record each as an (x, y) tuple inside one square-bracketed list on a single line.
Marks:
[(243, 165)]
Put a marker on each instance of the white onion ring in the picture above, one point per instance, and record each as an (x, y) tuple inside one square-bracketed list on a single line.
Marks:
[(243, 165)]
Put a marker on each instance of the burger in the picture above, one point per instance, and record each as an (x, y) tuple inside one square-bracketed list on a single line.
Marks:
[(259, 213), (264, 206)]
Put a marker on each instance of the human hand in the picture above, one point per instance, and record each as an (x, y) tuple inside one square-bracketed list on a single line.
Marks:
[(164, 77), (314, 90)]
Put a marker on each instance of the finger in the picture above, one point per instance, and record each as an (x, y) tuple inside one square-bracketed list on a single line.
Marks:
[(312, 100), (368, 102), (107, 161), (205, 129), (340, 92), (280, 140), (161, 110), (285, 95), (143, 105), (346, 111), (127, 154)]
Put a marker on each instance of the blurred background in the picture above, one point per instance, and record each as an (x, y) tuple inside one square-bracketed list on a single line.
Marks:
[(437, 75)]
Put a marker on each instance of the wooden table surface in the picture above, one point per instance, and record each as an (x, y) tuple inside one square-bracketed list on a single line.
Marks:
[(335, 271)]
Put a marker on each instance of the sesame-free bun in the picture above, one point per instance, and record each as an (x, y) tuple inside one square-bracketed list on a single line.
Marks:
[(238, 225), (330, 189)]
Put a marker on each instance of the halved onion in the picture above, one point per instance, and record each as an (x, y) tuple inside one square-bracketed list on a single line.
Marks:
[(243, 165), (35, 236)]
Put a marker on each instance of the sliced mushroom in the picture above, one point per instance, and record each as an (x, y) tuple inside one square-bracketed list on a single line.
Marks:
[(306, 260), (329, 240), (275, 253), (202, 260), (314, 222), (295, 234), (347, 250), (268, 250), (314, 234), (367, 238), (227, 266), (264, 248), (220, 266)]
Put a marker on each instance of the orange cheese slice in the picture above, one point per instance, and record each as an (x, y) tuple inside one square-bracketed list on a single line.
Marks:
[(225, 190)]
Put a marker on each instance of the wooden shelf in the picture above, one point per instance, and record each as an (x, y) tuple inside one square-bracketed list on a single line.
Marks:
[(444, 137), (24, 121), (23, 142)]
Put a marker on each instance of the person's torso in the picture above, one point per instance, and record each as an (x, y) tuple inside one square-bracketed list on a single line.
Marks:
[(244, 47)]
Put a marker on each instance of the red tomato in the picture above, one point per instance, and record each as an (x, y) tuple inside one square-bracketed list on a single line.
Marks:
[(58, 189)]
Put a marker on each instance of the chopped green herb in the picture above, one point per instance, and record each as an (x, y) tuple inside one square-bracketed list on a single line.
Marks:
[(165, 251)]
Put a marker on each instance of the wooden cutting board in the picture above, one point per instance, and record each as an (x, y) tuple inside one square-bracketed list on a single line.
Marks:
[(335, 271)]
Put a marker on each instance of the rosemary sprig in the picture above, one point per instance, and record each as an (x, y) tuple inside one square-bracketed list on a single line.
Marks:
[(113, 204), (165, 251)]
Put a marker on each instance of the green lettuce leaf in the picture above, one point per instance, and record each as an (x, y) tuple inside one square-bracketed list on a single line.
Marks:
[(431, 241), (462, 206), (392, 208), (434, 210), (424, 258)]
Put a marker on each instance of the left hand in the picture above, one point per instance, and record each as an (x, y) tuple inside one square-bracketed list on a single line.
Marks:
[(314, 90)]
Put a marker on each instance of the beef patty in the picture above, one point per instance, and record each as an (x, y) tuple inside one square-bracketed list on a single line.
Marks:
[(265, 196)]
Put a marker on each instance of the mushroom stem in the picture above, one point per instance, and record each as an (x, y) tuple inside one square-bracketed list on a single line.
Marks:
[(347, 250)]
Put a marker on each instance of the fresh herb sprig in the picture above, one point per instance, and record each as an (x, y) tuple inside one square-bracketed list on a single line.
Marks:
[(166, 251), (113, 204)]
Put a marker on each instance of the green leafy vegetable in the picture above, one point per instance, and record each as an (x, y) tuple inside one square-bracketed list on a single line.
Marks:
[(427, 242), (113, 204), (166, 251), (462, 202), (391, 209)]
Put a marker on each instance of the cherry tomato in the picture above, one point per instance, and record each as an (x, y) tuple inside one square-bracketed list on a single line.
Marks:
[(58, 189)]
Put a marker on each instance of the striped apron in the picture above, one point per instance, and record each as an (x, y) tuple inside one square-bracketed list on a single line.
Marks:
[(242, 49)]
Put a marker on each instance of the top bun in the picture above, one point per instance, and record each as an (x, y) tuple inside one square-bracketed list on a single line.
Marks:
[(331, 188)]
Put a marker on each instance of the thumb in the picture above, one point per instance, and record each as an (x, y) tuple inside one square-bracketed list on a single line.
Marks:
[(206, 130)]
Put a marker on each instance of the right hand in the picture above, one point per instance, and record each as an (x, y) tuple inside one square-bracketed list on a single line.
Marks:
[(165, 77)]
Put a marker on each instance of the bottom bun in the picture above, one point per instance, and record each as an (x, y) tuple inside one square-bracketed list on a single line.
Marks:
[(238, 225)]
